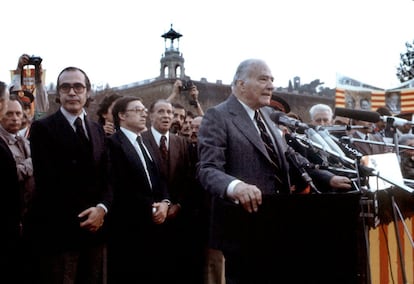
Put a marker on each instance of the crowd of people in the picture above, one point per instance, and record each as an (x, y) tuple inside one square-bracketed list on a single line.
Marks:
[(100, 201), (154, 192)]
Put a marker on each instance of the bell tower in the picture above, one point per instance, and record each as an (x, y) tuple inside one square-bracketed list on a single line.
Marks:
[(172, 61)]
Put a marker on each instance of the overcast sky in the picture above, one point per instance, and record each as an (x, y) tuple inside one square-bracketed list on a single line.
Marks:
[(119, 42)]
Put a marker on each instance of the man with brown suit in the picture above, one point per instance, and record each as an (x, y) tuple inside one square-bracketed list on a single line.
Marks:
[(367, 134), (174, 162)]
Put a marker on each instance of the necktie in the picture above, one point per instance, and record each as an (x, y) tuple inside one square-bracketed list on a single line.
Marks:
[(150, 166), (163, 148), (148, 160), (266, 139), (80, 131)]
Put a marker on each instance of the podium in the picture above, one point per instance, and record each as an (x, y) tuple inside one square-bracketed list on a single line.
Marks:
[(390, 246), (306, 239)]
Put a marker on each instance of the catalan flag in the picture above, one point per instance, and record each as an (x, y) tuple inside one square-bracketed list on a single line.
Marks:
[(354, 94)]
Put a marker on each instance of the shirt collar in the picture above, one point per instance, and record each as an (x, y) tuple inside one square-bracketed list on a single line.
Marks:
[(132, 136), (8, 137), (250, 111), (70, 117), (157, 135)]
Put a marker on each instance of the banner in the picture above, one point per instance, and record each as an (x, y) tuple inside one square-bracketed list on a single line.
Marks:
[(401, 98), (353, 94)]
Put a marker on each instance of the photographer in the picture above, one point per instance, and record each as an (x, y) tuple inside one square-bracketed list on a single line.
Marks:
[(40, 104), (179, 87)]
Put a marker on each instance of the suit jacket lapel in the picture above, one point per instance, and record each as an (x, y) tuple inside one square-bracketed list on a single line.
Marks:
[(155, 152), (64, 131), (95, 141), (130, 152), (243, 122), (174, 155)]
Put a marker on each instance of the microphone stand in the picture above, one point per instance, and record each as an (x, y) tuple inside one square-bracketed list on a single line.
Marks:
[(394, 145), (390, 127), (397, 147), (291, 157), (343, 128)]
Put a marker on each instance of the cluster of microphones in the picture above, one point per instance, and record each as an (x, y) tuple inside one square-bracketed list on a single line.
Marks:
[(317, 136), (369, 116), (337, 146)]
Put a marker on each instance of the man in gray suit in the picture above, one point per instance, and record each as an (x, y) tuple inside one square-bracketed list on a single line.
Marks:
[(237, 169)]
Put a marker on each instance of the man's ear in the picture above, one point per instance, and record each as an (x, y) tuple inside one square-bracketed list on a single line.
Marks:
[(240, 83), (121, 116)]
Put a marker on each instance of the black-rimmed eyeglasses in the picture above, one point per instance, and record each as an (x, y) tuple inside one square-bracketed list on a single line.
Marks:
[(77, 87), (139, 110)]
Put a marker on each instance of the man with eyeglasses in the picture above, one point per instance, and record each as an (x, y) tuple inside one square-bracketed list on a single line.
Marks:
[(64, 225), (137, 246)]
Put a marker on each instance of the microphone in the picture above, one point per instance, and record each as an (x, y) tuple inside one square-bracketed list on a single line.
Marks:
[(317, 138), (317, 141), (291, 157), (327, 137), (364, 115), (333, 145), (370, 116), (396, 121), (280, 118), (327, 144), (343, 128)]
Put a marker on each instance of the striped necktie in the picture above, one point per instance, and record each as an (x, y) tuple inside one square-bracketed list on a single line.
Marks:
[(271, 150)]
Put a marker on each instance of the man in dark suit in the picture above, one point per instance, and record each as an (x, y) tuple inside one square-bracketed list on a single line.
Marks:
[(236, 167), (71, 194), (137, 244)]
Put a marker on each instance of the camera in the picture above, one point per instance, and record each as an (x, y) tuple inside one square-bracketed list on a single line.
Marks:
[(186, 85), (35, 60), (193, 103)]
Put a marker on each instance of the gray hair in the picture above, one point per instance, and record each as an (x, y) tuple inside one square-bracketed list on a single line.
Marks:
[(244, 69), (319, 108)]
